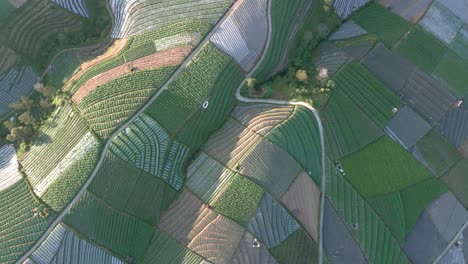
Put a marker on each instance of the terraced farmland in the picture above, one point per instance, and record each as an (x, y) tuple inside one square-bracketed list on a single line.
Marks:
[(374, 237), (189, 90), (283, 19), (16, 82), (104, 108), (299, 137), (64, 246), (34, 23), (9, 58), (131, 190), (75, 6), (146, 145), (383, 167), (347, 128), (20, 229), (123, 234), (297, 248), (8, 167), (221, 102), (136, 17), (64, 142), (389, 27), (348, 30), (368, 93), (329, 58)]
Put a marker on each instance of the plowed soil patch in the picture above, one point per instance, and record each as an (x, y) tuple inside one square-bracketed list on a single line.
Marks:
[(170, 57)]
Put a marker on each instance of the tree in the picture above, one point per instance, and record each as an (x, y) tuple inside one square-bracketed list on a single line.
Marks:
[(302, 76), (24, 104), (26, 118), (10, 124), (251, 82), (48, 91), (39, 87)]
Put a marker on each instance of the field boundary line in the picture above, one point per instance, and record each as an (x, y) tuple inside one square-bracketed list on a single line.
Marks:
[(83, 189), (281, 102)]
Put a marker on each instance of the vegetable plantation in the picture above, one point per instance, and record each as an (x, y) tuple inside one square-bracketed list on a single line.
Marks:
[(283, 14), (131, 190), (189, 90), (108, 105), (368, 93), (382, 167)]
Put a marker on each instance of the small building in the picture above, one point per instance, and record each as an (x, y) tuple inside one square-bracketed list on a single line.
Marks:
[(458, 103)]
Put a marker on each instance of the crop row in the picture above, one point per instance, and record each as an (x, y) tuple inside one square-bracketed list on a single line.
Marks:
[(134, 17), (20, 228), (131, 190), (75, 6), (299, 136), (8, 167), (62, 133), (17, 82), (189, 90), (8, 58), (368, 93), (121, 233), (148, 147), (283, 14), (64, 246), (221, 101), (35, 22), (109, 104)]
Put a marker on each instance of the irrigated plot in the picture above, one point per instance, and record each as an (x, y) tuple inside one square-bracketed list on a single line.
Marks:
[(339, 244), (346, 127), (62, 245), (243, 34), (231, 143), (345, 8), (441, 23), (422, 49), (131, 190), (165, 249), (392, 69), (448, 215), (246, 253), (454, 126), (436, 153), (303, 199), (271, 167), (453, 70), (407, 127), (271, 223), (186, 218), (329, 59), (433, 244), (427, 96), (238, 200), (456, 181), (368, 93), (358, 47), (297, 248), (383, 167), (122, 233), (299, 136), (218, 241), (457, 7), (261, 118), (389, 27)]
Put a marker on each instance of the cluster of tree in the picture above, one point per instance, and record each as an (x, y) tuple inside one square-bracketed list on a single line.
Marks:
[(30, 112)]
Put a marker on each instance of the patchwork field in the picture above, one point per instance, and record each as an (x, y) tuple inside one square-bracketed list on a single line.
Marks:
[(64, 246), (297, 248), (368, 93), (16, 82), (454, 71), (383, 167), (456, 181), (389, 27), (347, 128)]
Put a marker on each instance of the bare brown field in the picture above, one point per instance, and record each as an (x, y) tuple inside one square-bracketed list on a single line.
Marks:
[(303, 200), (170, 57)]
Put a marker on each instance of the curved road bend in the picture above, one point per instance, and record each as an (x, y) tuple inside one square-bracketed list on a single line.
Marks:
[(109, 141), (280, 102)]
